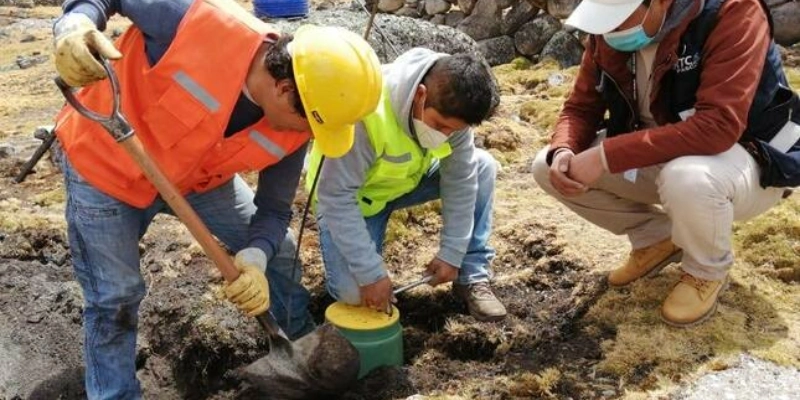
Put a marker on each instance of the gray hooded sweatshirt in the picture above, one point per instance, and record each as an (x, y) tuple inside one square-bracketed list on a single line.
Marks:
[(341, 178)]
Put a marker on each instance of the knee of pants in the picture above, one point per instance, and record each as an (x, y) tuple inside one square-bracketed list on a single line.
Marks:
[(487, 166), (541, 171), (682, 176)]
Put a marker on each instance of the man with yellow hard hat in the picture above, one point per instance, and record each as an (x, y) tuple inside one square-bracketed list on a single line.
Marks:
[(211, 91)]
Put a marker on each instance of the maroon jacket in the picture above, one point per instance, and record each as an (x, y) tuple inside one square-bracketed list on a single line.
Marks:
[(733, 59)]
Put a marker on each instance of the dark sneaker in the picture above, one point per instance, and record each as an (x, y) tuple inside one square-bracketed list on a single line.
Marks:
[(481, 301)]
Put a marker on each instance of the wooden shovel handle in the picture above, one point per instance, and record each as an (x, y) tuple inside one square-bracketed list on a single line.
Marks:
[(182, 209)]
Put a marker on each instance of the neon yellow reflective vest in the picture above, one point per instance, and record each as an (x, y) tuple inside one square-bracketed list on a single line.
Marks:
[(400, 161)]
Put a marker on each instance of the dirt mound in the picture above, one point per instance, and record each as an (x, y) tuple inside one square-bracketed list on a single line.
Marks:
[(40, 315)]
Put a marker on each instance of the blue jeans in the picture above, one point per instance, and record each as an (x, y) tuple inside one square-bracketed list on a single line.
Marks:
[(341, 283), (104, 234)]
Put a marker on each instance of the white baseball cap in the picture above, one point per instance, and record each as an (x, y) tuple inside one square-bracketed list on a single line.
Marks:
[(601, 16)]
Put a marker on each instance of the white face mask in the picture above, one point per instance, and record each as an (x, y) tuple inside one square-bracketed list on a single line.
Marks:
[(428, 137)]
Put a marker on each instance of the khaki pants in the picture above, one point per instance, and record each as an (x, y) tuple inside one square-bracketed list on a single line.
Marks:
[(693, 199)]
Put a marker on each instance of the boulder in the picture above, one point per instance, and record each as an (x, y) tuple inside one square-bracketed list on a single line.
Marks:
[(408, 11), (433, 7), (391, 35), (390, 5), (499, 50), (503, 4), (438, 19), (787, 28), (561, 9), (483, 22), (466, 5), (563, 47), (519, 14), (453, 18), (531, 38)]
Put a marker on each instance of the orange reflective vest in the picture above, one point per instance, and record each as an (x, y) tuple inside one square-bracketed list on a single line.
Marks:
[(179, 108)]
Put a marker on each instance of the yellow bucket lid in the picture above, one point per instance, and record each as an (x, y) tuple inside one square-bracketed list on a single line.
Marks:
[(359, 318)]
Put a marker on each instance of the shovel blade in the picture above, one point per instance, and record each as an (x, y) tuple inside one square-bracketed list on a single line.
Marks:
[(320, 365)]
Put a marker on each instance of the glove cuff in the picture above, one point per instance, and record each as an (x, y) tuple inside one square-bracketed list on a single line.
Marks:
[(252, 256), (71, 22)]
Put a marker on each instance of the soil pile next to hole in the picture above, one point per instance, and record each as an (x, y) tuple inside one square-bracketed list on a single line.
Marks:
[(40, 317), (449, 351)]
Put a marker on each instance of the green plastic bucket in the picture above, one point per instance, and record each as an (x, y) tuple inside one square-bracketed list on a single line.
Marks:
[(377, 336)]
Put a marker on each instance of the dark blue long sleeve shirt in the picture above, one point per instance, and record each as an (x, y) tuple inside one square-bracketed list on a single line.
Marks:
[(158, 20)]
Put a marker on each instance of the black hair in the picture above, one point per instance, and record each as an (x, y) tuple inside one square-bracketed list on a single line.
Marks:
[(462, 86), (278, 62)]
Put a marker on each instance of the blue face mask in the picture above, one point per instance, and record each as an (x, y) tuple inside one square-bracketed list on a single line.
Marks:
[(629, 40)]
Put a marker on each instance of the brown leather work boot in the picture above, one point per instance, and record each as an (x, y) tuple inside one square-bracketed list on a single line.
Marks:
[(646, 261), (692, 301), (481, 301)]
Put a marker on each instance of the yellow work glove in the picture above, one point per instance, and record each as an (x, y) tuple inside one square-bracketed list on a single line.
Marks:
[(77, 41), (250, 291)]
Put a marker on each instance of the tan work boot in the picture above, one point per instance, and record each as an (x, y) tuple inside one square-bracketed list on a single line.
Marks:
[(481, 301), (646, 261), (692, 301)]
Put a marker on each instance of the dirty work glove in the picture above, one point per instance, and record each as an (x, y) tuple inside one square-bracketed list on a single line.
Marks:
[(77, 40), (250, 291)]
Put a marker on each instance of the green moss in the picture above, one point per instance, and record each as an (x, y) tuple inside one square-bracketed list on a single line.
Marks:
[(771, 242), (410, 223), (793, 74)]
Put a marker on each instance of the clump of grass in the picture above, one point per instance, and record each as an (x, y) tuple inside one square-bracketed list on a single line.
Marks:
[(50, 197), (542, 112), (793, 74), (412, 222), (771, 242), (754, 315), (530, 385), (15, 218)]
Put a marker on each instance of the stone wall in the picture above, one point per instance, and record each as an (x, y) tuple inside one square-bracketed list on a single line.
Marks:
[(503, 29)]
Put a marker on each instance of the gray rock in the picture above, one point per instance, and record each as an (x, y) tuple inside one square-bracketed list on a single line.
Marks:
[(407, 11), (561, 9), (540, 4), (24, 62), (786, 16), (439, 19), (7, 150), (749, 378), (390, 32), (28, 38), (564, 48), (773, 3), (519, 14), (503, 4), (499, 50), (483, 22), (433, 7), (531, 38), (453, 18), (466, 6), (390, 5)]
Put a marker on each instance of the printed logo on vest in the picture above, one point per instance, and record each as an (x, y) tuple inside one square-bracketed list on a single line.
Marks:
[(687, 63)]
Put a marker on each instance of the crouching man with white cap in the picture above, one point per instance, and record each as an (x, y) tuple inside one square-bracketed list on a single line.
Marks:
[(679, 123)]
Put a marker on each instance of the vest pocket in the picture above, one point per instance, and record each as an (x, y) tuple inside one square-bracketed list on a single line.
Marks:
[(174, 116)]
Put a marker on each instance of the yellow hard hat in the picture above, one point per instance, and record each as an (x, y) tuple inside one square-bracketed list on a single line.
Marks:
[(338, 76)]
